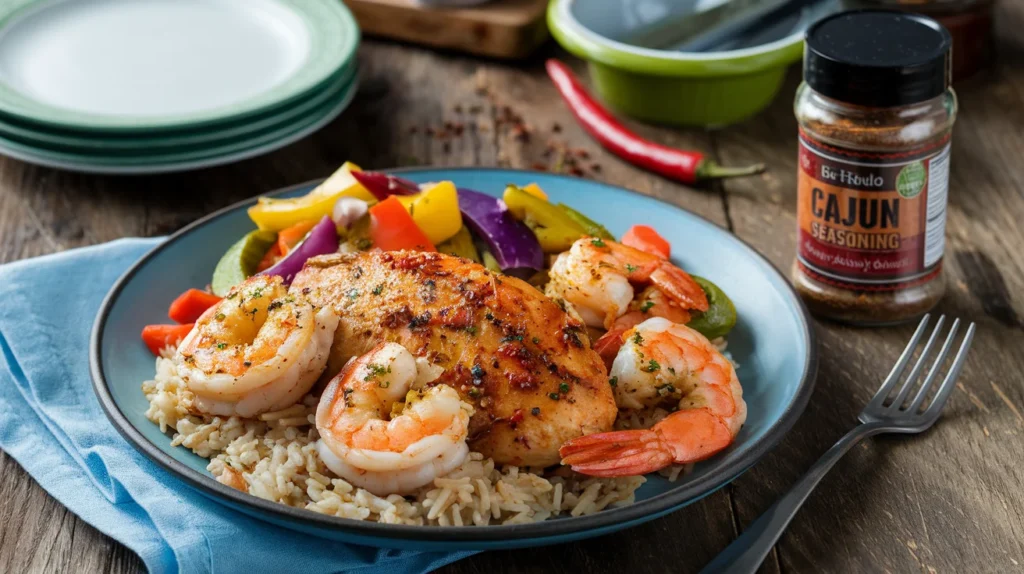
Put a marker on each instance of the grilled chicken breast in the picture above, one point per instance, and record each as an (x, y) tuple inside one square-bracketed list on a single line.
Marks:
[(513, 353)]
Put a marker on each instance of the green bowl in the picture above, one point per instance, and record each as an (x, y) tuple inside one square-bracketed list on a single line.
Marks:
[(667, 86)]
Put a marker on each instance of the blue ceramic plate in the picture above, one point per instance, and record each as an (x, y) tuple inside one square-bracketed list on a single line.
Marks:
[(772, 342)]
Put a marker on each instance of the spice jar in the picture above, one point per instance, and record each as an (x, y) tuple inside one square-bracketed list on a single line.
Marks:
[(876, 114)]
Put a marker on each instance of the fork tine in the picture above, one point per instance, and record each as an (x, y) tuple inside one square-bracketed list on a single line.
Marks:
[(915, 373), (901, 364), (946, 389), (934, 371)]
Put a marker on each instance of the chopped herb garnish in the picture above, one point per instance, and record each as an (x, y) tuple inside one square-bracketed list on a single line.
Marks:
[(384, 384), (563, 388), (646, 306), (222, 346), (376, 371), (553, 396), (489, 316), (257, 292), (378, 289), (652, 366), (275, 305), (477, 371), (536, 340), (630, 268), (597, 242), (614, 381), (363, 243), (535, 411), (220, 316), (232, 295), (471, 330), (672, 370), (474, 392), (666, 389), (352, 294), (637, 339), (511, 338)]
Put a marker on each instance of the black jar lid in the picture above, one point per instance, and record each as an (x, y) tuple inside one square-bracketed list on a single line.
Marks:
[(878, 58)]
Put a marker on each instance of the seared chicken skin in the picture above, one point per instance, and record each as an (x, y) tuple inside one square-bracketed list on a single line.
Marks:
[(523, 363)]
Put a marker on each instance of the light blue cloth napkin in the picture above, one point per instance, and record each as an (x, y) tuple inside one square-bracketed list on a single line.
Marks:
[(52, 424)]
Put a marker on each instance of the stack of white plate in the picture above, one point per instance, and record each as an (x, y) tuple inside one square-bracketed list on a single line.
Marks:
[(148, 86)]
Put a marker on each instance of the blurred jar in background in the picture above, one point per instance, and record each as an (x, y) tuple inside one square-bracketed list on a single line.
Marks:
[(968, 21)]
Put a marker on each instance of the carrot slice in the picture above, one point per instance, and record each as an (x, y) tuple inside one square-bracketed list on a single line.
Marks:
[(289, 237), (645, 238), (393, 229), (190, 305), (156, 337)]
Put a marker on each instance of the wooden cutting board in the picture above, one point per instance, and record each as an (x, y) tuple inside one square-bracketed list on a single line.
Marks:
[(500, 29)]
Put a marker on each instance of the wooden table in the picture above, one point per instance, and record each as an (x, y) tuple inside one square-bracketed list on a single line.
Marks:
[(948, 501)]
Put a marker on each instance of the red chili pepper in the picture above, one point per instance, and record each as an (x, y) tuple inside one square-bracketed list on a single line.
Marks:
[(684, 166)]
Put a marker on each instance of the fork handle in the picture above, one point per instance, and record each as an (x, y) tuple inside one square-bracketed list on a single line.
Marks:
[(745, 554)]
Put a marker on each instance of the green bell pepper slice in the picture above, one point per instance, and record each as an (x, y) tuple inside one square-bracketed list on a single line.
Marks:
[(720, 317), (240, 260), (593, 228)]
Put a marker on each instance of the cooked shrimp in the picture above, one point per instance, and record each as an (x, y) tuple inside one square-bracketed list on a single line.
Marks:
[(651, 302), (257, 350), (665, 364), (598, 277), (382, 431)]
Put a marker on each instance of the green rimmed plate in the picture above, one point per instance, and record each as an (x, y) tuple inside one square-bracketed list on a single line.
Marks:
[(185, 160), (132, 144), (134, 65)]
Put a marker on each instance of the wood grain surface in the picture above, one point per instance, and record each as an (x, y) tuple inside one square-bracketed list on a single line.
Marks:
[(948, 501)]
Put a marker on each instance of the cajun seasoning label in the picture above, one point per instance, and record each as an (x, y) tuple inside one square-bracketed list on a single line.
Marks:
[(874, 222)]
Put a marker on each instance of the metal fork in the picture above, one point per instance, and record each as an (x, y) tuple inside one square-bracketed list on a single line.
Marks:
[(746, 553)]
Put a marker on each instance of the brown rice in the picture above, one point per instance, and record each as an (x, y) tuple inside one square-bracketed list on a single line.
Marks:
[(274, 457)]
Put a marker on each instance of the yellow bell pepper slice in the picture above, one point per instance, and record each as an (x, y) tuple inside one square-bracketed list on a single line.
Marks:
[(435, 210), (271, 214)]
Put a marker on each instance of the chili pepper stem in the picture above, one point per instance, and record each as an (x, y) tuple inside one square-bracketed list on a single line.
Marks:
[(710, 170)]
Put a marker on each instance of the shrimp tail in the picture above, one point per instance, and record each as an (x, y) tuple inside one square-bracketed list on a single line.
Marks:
[(680, 286), (609, 344), (694, 434), (617, 453), (680, 438)]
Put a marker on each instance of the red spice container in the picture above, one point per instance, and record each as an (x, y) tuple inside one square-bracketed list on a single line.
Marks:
[(876, 114)]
